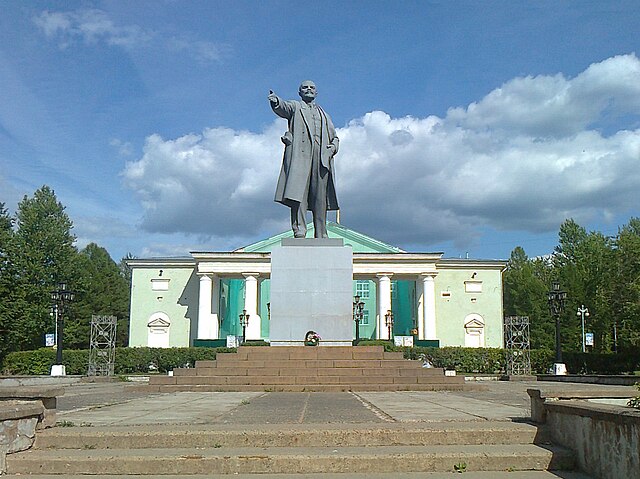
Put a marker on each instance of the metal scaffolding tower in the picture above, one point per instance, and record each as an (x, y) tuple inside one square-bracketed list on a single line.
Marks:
[(517, 344), (102, 351)]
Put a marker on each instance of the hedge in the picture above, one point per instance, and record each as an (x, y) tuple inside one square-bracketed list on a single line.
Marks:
[(127, 360), (464, 360)]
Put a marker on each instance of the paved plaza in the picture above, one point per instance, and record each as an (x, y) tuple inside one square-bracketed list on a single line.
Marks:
[(121, 404)]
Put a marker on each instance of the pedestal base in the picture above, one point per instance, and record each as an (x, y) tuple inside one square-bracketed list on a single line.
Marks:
[(58, 370), (323, 343), (559, 369), (311, 290)]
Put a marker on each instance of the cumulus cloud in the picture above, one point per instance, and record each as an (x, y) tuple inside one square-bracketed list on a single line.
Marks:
[(525, 157), (219, 182), (92, 26)]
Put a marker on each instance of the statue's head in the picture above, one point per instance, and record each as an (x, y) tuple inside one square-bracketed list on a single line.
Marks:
[(307, 91)]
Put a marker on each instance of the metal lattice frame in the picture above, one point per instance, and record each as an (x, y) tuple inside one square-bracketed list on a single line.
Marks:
[(102, 351), (517, 343)]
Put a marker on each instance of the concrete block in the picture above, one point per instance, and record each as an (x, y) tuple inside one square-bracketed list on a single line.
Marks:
[(162, 380), (303, 353), (185, 372), (320, 363), (358, 354), (311, 290), (405, 380), (335, 352)]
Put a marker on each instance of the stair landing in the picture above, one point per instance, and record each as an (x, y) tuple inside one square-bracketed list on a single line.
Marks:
[(308, 368)]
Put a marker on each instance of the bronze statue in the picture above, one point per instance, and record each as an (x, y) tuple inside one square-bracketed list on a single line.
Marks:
[(306, 179)]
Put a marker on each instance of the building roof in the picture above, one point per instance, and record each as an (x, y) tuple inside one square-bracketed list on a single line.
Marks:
[(360, 243)]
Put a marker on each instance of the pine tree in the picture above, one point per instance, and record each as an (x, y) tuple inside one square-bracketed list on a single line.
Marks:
[(6, 280), (44, 256), (525, 292), (105, 292)]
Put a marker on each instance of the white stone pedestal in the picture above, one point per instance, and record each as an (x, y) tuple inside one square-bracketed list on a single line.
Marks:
[(311, 290), (58, 370), (559, 369)]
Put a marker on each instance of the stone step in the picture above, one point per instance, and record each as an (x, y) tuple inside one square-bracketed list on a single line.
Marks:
[(335, 459), (291, 368), (311, 379), (170, 388), (310, 363), (383, 374), (257, 353), (422, 434), (350, 475)]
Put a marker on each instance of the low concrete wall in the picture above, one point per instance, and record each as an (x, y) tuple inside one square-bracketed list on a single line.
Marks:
[(605, 438), (41, 381), (619, 380), (18, 423)]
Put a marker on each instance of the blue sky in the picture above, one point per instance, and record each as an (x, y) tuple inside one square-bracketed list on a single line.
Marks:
[(466, 126)]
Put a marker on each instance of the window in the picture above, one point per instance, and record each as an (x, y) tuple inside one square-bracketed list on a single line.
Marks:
[(474, 331), (362, 288), (158, 331), (159, 285), (365, 317), (394, 290), (473, 286)]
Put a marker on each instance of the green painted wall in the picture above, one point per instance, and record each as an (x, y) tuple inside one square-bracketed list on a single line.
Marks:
[(451, 311), (179, 303)]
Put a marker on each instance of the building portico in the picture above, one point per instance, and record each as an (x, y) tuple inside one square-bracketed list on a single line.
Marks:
[(428, 295)]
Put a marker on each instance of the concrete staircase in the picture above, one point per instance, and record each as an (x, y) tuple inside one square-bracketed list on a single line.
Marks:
[(319, 368), (326, 449)]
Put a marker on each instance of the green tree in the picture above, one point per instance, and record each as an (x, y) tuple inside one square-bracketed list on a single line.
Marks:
[(6, 279), (525, 291), (625, 295), (584, 263), (44, 255), (105, 292)]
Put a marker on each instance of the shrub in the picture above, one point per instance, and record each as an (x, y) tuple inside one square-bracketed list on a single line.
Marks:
[(468, 360), (127, 360), (625, 362)]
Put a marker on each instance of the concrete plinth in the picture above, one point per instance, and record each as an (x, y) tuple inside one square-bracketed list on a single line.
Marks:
[(311, 290), (58, 370), (559, 369)]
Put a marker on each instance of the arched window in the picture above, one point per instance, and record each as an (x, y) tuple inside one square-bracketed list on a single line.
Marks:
[(474, 331), (158, 331)]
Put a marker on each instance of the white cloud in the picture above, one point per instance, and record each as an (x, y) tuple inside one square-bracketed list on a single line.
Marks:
[(202, 51), (92, 26), (124, 147), (525, 157)]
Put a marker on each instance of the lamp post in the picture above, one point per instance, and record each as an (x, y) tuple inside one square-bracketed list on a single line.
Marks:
[(60, 299), (388, 318), (244, 322), (582, 311), (358, 313), (556, 299)]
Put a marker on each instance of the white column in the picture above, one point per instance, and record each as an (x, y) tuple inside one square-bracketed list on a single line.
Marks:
[(251, 305), (384, 303), (208, 307), (429, 306)]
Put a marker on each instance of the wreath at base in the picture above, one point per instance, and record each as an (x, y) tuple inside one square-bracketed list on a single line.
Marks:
[(312, 338)]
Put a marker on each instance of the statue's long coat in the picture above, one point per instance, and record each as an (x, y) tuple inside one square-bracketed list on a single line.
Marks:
[(296, 163)]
